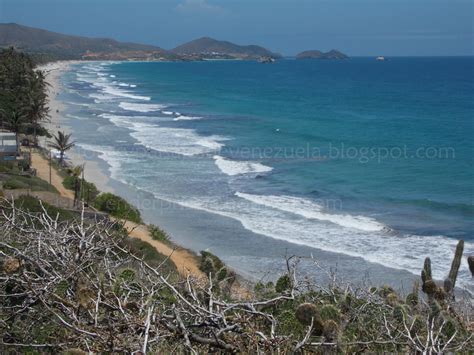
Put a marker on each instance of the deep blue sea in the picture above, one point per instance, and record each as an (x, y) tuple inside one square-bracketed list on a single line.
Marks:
[(365, 159)]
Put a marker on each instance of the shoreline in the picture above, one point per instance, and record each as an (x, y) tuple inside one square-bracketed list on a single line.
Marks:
[(96, 171), (186, 262), (234, 250)]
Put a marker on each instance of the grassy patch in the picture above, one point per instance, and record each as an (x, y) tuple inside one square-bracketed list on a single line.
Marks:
[(32, 183), (33, 205), (117, 207)]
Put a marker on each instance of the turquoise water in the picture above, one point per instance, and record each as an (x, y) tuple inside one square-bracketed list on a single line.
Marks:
[(367, 159)]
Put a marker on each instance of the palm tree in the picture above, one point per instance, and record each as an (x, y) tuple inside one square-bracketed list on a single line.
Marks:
[(61, 143), (76, 173), (37, 111)]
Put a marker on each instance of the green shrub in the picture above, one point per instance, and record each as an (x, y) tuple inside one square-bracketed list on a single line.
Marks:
[(7, 167), (158, 234), (32, 183), (117, 207), (33, 205), (283, 284), (306, 312), (89, 191), (24, 164), (330, 312), (216, 262), (150, 255)]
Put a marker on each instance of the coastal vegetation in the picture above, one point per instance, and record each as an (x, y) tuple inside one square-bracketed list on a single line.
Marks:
[(117, 207), (83, 190), (79, 285), (23, 94), (62, 143), (158, 234)]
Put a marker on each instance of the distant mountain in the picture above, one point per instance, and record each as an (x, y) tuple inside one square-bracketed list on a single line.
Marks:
[(60, 46), (315, 54), (206, 47)]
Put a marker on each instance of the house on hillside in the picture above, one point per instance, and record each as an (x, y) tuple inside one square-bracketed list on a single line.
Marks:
[(8, 146)]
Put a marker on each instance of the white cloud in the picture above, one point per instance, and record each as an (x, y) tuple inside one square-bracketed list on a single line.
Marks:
[(198, 6)]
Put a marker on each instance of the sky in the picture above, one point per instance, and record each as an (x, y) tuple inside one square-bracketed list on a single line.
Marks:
[(356, 27)]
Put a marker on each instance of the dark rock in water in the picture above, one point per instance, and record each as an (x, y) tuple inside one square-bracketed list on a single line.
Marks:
[(315, 54)]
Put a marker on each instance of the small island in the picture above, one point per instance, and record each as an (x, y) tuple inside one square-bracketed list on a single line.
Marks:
[(316, 54)]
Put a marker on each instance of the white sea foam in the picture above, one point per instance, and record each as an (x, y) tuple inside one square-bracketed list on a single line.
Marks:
[(309, 209), (93, 74), (403, 252), (133, 86), (107, 154), (131, 106), (233, 167), (186, 118), (168, 113), (76, 117), (113, 90), (166, 139)]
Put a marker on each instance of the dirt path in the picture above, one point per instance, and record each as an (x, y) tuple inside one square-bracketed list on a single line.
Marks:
[(42, 171), (185, 261)]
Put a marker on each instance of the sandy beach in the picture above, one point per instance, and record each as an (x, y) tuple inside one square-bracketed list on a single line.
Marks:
[(56, 122), (186, 262)]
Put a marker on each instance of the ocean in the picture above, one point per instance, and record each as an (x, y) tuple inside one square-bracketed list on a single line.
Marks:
[(358, 166)]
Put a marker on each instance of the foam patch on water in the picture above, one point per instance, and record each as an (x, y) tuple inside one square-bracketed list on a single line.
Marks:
[(310, 210), (115, 91), (186, 118), (131, 106), (233, 167), (113, 158), (95, 75), (167, 139), (403, 252)]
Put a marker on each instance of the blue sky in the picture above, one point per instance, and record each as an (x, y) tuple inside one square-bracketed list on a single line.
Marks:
[(357, 27)]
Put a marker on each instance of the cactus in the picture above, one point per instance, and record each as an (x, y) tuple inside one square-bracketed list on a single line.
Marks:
[(417, 324), (392, 299), (85, 294), (450, 282), (400, 312), (435, 309), (430, 288), (329, 312), (412, 298), (470, 262), (305, 312), (426, 274), (11, 265), (330, 330)]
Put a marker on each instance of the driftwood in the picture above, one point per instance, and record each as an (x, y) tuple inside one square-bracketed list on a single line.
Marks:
[(79, 281)]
